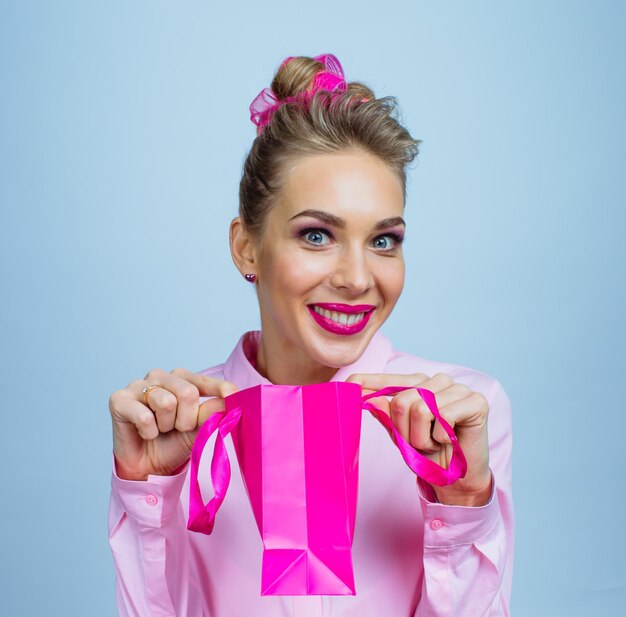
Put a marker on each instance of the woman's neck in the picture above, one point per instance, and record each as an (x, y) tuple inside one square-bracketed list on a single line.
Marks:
[(281, 367)]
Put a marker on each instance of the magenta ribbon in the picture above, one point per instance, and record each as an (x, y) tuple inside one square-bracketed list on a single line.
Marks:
[(202, 517), (420, 464), (266, 102)]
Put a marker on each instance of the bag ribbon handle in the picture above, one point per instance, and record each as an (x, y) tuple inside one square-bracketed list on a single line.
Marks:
[(201, 516), (420, 464)]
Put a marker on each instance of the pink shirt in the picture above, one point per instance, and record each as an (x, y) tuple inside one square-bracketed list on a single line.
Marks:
[(412, 556)]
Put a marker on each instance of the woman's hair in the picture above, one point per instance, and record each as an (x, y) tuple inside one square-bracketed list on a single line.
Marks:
[(326, 124)]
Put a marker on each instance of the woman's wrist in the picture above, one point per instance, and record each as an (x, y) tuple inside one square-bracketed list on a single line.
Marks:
[(453, 496), (127, 474)]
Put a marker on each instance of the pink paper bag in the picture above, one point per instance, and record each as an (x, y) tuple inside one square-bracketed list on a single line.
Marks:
[(298, 452)]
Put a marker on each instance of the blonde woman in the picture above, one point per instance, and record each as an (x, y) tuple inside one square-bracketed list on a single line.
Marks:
[(319, 235)]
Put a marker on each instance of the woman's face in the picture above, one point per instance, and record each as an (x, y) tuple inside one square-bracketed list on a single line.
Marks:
[(329, 261)]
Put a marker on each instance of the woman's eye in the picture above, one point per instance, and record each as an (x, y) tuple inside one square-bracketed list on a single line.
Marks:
[(385, 243), (316, 236)]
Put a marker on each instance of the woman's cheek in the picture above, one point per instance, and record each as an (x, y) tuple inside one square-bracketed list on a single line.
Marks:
[(305, 266), (392, 281)]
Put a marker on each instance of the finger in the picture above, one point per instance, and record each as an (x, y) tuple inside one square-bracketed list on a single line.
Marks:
[(164, 405), (188, 402), (399, 410), (438, 382), (443, 399), (377, 381), (439, 434), (421, 423), (382, 402), (159, 402), (214, 388), (175, 403), (162, 402), (451, 394), (207, 386), (470, 411), (127, 410), (208, 408)]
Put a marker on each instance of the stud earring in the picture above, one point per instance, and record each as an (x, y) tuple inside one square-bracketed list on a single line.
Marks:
[(250, 277)]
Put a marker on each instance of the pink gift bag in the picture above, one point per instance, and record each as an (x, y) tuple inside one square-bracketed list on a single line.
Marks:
[(298, 452)]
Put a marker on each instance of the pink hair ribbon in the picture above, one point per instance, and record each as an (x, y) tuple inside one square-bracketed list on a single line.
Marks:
[(266, 103)]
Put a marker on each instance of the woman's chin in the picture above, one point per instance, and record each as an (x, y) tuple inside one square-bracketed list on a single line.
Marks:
[(339, 352)]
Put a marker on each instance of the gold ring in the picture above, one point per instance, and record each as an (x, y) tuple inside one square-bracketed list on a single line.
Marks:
[(146, 391)]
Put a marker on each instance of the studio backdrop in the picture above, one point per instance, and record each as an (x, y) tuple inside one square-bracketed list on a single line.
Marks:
[(123, 129)]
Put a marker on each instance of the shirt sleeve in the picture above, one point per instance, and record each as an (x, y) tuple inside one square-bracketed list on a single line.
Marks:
[(148, 539), (468, 551)]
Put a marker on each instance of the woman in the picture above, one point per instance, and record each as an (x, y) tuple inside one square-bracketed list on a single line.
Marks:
[(319, 235)]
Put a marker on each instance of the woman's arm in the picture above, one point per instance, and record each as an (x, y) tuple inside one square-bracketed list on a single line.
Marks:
[(153, 434), (150, 546), (468, 551)]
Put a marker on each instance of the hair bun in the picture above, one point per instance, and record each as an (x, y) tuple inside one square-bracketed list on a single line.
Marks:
[(299, 79), (296, 74)]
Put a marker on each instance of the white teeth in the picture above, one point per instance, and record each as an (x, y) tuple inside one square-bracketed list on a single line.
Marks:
[(354, 318), (322, 312), (346, 319)]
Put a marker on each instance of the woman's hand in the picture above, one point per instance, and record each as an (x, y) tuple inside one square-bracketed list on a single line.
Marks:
[(157, 438), (465, 411)]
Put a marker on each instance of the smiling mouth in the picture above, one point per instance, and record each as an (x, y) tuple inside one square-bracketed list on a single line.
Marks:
[(346, 319), (341, 318)]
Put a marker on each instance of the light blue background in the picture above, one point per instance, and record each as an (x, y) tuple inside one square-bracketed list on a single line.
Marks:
[(123, 128)]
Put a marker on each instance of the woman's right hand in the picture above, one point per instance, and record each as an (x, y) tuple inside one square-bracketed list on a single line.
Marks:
[(157, 438)]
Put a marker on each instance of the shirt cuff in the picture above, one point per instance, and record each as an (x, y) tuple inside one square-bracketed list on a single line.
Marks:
[(150, 502), (447, 525)]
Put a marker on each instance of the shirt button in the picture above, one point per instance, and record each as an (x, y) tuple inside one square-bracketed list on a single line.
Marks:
[(436, 523), (152, 500)]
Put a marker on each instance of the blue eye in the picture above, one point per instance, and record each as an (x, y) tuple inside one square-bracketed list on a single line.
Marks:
[(316, 236), (386, 242)]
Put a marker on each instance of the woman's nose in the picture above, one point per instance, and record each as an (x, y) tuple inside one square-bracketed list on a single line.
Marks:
[(352, 272)]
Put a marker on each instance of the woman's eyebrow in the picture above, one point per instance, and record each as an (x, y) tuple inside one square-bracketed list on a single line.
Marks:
[(335, 221), (325, 217), (390, 222)]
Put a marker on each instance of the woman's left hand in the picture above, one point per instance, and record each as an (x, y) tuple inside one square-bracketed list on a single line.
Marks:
[(465, 411)]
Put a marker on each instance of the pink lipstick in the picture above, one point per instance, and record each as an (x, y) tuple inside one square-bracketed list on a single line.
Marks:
[(330, 315)]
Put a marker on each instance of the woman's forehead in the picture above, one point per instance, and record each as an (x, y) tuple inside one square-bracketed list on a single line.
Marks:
[(345, 184)]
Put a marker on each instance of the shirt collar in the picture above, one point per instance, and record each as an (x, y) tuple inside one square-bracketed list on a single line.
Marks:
[(240, 370)]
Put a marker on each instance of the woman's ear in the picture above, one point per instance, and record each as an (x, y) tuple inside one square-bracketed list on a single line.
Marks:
[(242, 248)]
